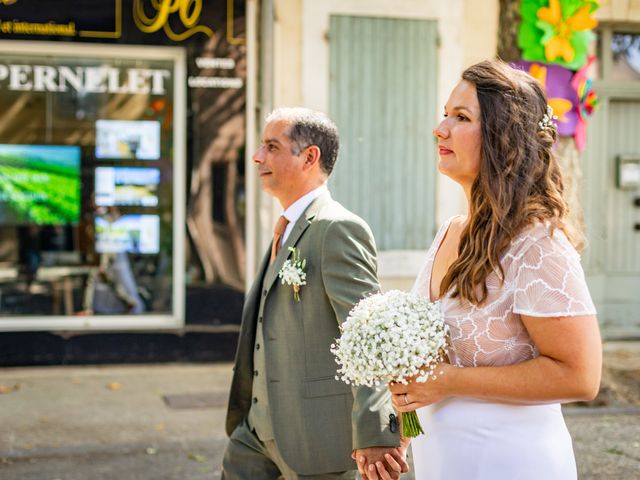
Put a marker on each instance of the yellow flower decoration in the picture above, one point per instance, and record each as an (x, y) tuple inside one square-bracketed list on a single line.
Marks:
[(557, 40)]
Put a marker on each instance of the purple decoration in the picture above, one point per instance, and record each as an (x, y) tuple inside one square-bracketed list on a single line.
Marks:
[(557, 84)]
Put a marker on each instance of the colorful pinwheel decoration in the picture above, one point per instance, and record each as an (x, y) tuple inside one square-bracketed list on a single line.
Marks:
[(587, 103), (557, 31)]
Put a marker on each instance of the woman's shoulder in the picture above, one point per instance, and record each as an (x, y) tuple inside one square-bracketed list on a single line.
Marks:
[(541, 239), (453, 225), (547, 277), (457, 222)]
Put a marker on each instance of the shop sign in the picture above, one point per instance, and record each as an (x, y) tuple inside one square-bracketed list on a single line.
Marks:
[(187, 11), (36, 18), (209, 26), (208, 81), (137, 21), (48, 78)]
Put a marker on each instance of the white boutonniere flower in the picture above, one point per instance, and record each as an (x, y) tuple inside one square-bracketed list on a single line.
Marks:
[(292, 272)]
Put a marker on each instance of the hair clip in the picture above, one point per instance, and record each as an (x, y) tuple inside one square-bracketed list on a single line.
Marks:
[(548, 120)]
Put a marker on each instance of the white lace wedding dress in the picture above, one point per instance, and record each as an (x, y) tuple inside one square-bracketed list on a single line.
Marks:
[(470, 439)]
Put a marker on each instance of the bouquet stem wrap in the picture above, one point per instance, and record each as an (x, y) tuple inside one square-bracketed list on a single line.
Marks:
[(411, 425)]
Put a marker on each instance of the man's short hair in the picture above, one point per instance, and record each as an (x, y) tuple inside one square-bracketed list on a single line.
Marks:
[(309, 127)]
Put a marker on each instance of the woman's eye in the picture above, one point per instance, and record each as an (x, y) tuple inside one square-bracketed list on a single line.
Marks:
[(445, 115), (462, 118)]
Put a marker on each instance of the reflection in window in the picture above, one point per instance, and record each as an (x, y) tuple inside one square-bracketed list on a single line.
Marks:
[(625, 48)]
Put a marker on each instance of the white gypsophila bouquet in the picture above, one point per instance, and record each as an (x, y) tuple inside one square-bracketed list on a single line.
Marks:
[(391, 337)]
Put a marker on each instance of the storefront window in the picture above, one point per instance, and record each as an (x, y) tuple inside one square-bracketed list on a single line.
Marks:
[(87, 179), (625, 48)]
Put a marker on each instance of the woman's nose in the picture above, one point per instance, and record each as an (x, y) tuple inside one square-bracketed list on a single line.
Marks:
[(441, 131)]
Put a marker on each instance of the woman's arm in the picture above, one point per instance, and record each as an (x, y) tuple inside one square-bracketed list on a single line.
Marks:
[(568, 369)]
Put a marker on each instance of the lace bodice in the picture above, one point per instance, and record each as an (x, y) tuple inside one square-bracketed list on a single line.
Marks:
[(543, 278)]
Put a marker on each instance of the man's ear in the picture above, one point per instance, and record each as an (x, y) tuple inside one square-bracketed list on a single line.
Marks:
[(311, 156)]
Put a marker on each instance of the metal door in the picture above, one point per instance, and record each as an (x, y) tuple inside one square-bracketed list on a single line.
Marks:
[(612, 212)]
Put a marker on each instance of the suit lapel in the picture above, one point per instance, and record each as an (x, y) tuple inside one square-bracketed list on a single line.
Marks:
[(298, 229), (252, 301), (262, 272)]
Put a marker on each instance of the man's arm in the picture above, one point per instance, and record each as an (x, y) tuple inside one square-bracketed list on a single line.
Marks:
[(349, 272)]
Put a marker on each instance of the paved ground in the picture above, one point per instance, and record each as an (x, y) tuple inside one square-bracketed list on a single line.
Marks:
[(165, 422), (99, 423)]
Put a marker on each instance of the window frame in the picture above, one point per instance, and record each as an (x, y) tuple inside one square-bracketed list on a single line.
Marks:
[(604, 54), (150, 321)]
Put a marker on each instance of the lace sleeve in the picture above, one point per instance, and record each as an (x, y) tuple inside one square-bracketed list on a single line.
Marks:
[(549, 280)]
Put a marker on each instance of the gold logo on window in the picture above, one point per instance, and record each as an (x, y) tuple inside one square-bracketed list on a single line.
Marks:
[(7, 2), (188, 11)]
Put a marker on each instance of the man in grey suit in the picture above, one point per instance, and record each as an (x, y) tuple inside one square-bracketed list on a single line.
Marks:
[(288, 416)]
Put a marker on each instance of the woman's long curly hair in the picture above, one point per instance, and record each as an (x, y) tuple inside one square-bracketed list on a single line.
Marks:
[(519, 182)]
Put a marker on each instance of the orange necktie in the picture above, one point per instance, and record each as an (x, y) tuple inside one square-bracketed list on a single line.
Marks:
[(278, 232)]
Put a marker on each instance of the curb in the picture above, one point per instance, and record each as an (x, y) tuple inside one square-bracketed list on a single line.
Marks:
[(593, 411), (127, 449)]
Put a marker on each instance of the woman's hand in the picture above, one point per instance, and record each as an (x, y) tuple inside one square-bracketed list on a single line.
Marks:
[(378, 470), (407, 398), (395, 466)]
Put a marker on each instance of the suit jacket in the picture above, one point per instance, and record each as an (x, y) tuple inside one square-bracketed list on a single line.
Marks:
[(317, 420)]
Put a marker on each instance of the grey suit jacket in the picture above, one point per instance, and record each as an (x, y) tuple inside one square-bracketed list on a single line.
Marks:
[(317, 420)]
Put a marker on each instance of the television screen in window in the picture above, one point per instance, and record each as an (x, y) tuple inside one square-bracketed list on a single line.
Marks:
[(39, 184), (128, 139), (128, 233), (127, 186)]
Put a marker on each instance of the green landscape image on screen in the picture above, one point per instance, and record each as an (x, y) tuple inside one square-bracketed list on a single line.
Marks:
[(39, 184)]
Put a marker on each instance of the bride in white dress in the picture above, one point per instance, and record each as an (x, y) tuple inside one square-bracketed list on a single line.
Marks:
[(523, 328)]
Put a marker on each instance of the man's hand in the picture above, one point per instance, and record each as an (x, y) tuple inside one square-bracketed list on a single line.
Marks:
[(387, 463)]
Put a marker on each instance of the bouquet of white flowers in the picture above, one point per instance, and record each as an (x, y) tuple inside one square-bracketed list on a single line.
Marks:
[(390, 337)]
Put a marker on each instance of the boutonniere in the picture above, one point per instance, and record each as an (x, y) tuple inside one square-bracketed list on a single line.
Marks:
[(292, 272)]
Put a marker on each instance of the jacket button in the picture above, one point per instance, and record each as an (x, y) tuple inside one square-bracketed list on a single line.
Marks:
[(393, 423), (255, 400), (264, 292), (257, 346), (260, 319), (255, 373)]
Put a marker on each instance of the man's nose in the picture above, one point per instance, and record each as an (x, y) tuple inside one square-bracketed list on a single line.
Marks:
[(258, 157)]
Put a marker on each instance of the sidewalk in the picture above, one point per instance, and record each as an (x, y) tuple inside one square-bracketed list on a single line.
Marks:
[(165, 422), (112, 422)]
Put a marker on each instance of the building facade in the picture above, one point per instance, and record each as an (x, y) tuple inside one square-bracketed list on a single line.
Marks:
[(131, 218)]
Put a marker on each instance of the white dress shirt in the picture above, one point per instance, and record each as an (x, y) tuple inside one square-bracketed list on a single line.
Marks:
[(298, 207)]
